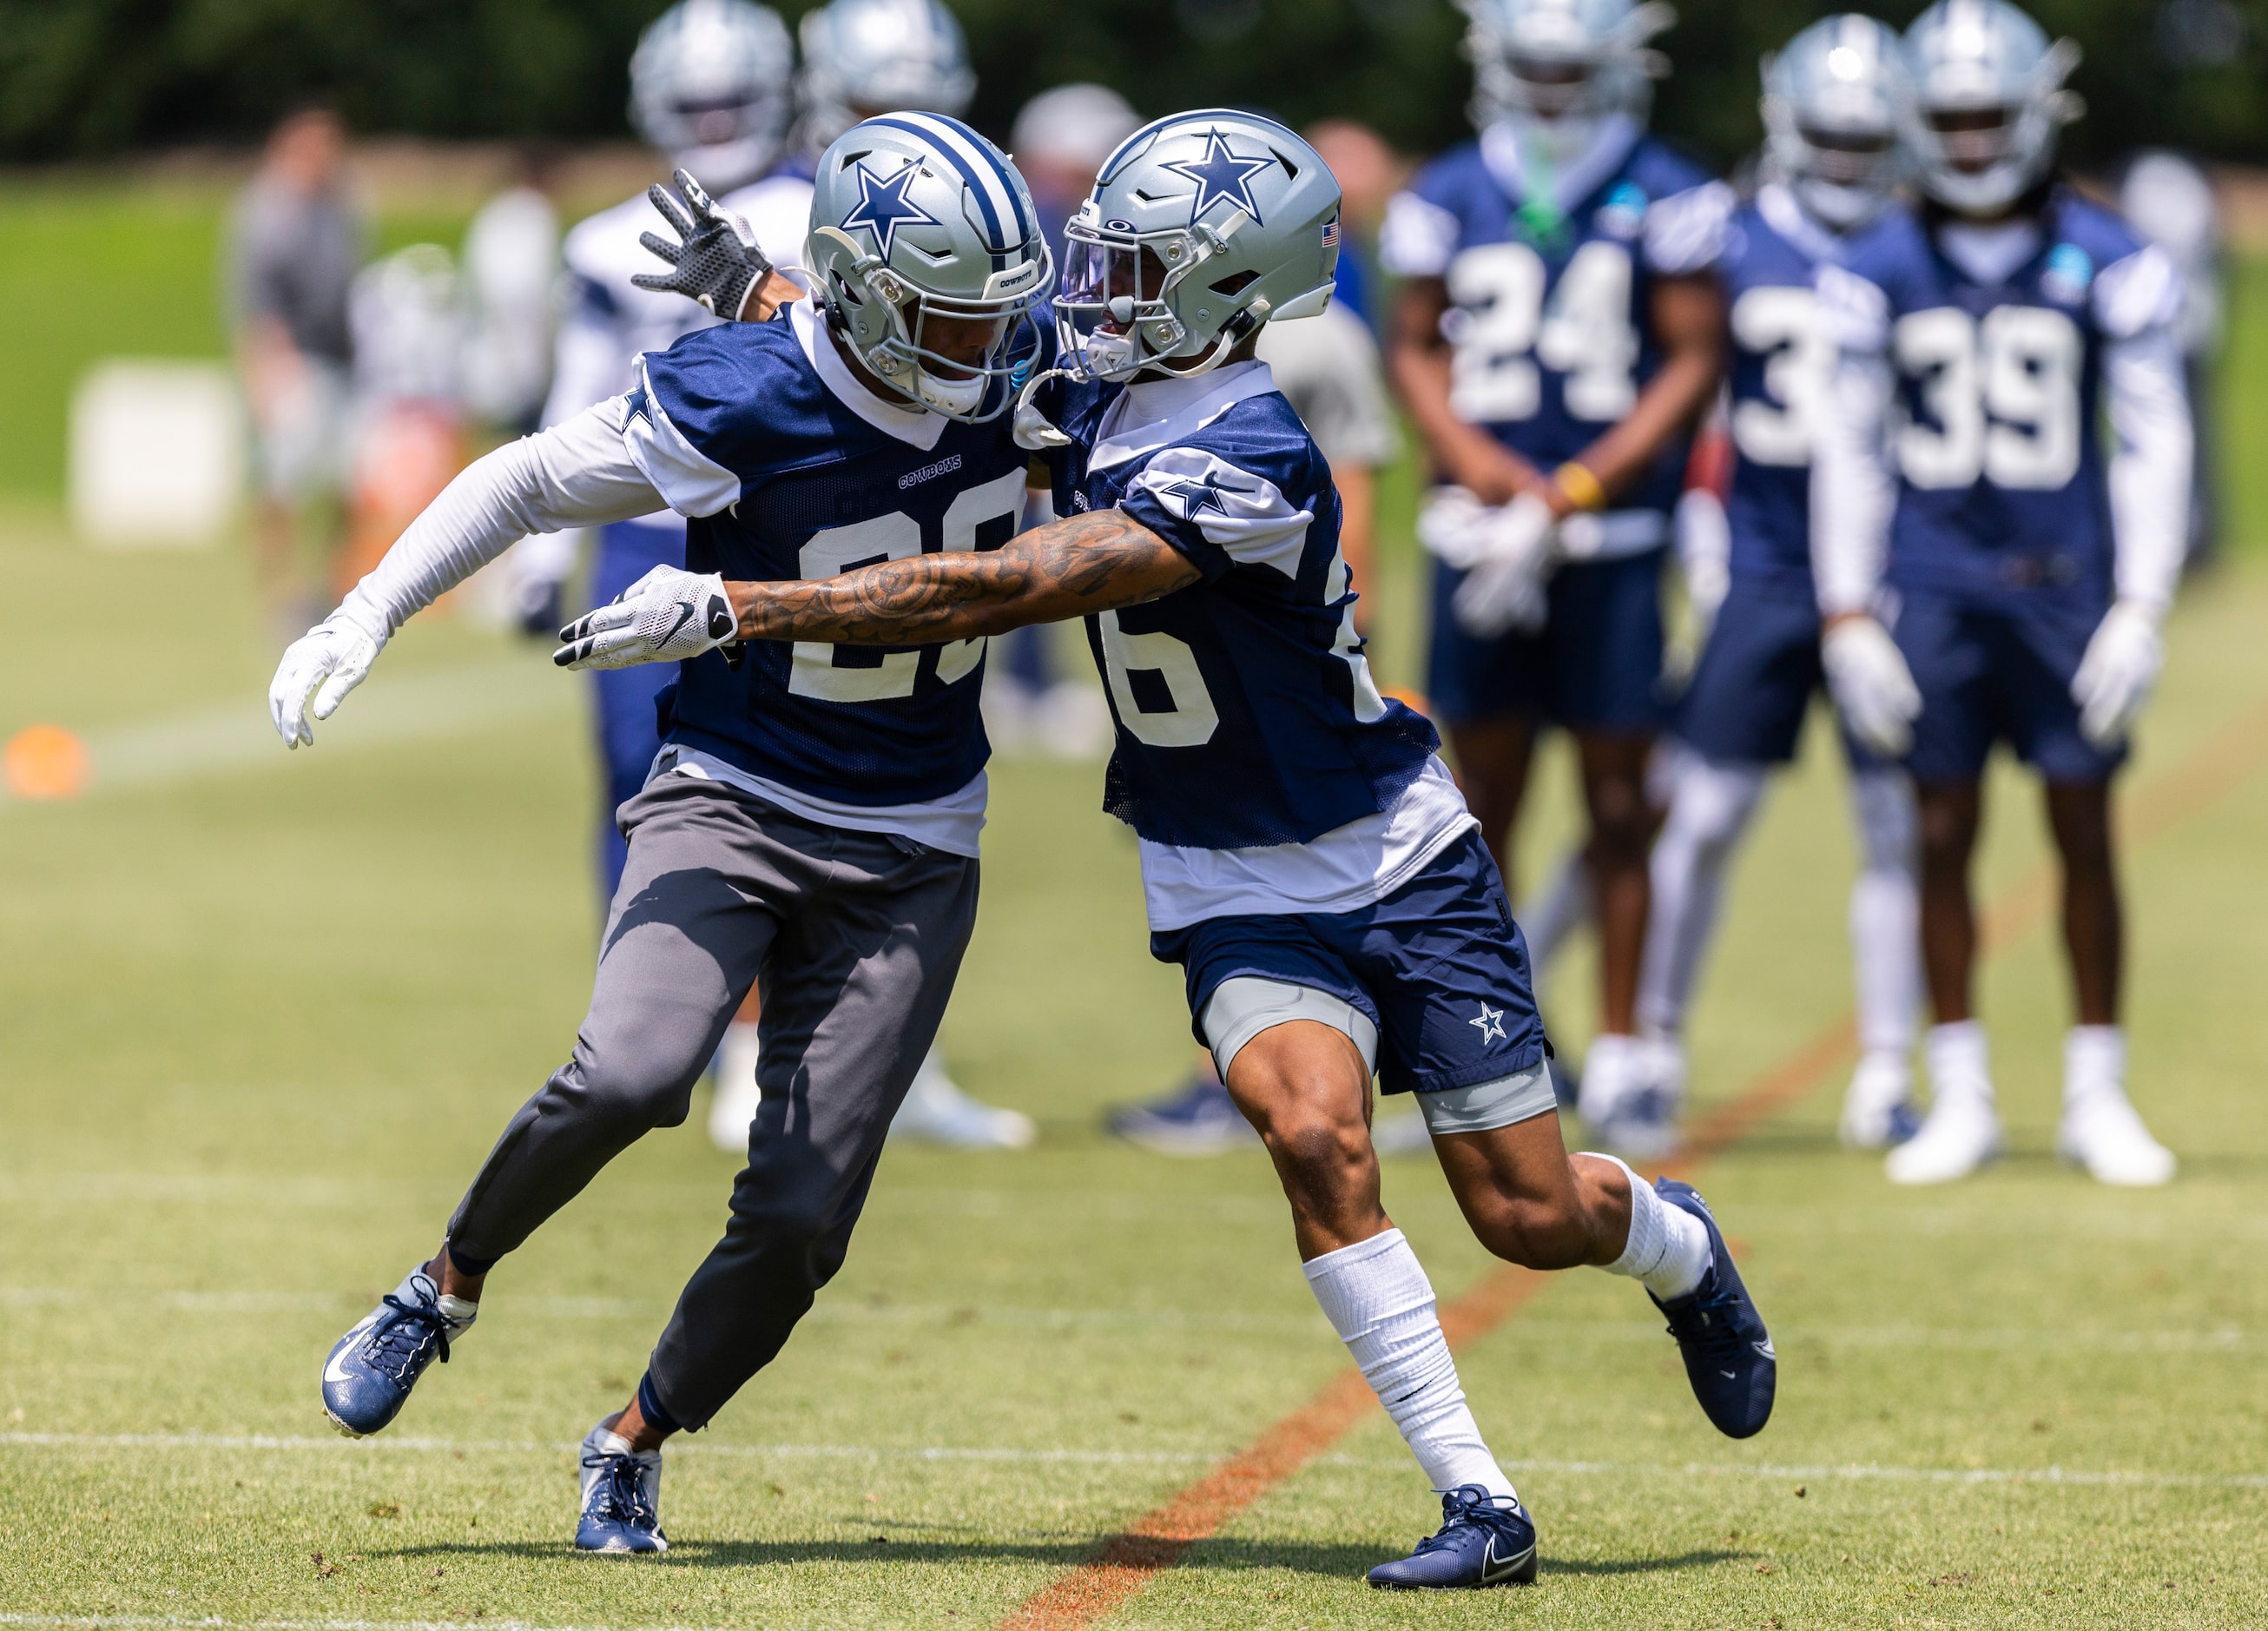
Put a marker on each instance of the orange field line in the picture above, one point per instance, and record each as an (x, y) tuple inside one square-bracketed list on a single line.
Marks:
[(1123, 1565)]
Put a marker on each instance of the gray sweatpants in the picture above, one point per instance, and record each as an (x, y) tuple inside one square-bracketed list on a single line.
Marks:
[(857, 938)]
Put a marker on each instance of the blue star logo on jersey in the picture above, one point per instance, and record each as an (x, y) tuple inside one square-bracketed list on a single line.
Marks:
[(883, 207), (1199, 495), (1490, 1023), (1221, 174)]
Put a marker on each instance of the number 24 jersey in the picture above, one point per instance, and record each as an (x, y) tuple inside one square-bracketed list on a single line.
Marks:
[(1550, 320), (1995, 432)]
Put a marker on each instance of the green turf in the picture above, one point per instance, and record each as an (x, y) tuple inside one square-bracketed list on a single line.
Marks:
[(257, 1025), (261, 1023)]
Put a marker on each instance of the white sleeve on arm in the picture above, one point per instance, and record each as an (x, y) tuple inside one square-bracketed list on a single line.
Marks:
[(578, 474), (1854, 488), (2149, 412)]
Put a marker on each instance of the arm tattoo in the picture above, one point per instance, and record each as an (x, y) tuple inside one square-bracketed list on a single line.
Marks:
[(1081, 563)]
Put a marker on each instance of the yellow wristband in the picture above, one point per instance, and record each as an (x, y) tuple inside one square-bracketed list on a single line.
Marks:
[(1582, 488)]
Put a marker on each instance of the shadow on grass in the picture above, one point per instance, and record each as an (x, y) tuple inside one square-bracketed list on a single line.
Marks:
[(1337, 1560)]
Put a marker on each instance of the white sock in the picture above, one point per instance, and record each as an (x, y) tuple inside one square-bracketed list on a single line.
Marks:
[(1669, 1249), (1885, 916), (458, 1311), (2093, 1063), (1377, 1297), (1958, 1062)]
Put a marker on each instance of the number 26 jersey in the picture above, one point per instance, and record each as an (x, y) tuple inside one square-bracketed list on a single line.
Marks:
[(1995, 432), (1551, 315)]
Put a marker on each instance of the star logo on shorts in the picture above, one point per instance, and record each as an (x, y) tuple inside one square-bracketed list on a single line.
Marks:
[(1490, 1023)]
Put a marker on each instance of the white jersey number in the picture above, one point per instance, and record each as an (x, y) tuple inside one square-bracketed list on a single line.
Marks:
[(814, 670), (1781, 324), (1191, 721), (1501, 327), (2005, 395)]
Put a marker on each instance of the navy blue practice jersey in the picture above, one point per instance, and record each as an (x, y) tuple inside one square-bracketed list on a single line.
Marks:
[(1245, 708), (1780, 362), (1551, 318), (1996, 439), (819, 490)]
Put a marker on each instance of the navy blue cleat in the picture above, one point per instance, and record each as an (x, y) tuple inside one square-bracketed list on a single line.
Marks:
[(1201, 1119), (1480, 1544), (367, 1378), (1729, 1352), (621, 1496)]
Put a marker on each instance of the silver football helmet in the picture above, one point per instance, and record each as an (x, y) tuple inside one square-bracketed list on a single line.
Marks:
[(863, 57), (1989, 102), (1201, 227), (712, 85), (915, 218), (1575, 61), (1837, 105)]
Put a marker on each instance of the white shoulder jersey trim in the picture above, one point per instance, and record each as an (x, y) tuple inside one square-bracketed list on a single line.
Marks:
[(1855, 312), (1418, 238), (1685, 231), (1245, 514), (2139, 293), (693, 483)]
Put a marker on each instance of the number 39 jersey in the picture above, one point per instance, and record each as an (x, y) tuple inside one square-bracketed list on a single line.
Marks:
[(1550, 318), (790, 468), (1246, 711), (1995, 435)]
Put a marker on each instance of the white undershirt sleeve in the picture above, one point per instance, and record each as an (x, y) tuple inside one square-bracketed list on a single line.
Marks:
[(1853, 487), (576, 473), (2148, 409)]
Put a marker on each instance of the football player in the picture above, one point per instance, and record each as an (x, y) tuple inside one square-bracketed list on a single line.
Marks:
[(1559, 333), (812, 813), (1982, 342), (1834, 104), (1305, 857)]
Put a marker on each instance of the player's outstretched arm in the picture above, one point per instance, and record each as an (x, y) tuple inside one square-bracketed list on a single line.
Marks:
[(578, 474), (1070, 567)]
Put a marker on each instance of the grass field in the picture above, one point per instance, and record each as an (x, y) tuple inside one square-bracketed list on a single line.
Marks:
[(261, 1015)]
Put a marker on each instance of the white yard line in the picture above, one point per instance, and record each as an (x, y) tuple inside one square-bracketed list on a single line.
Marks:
[(387, 709), (852, 1311), (1867, 1472)]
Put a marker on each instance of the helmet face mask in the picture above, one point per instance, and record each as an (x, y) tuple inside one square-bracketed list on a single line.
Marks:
[(1837, 102), (866, 57), (1200, 228), (1571, 63), (1989, 104), (711, 85), (928, 261)]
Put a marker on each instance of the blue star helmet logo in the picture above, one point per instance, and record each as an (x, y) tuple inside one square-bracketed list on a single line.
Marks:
[(1199, 495), (883, 207), (1222, 174)]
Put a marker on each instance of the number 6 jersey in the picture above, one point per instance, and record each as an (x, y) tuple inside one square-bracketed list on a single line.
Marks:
[(1246, 716), (1995, 433)]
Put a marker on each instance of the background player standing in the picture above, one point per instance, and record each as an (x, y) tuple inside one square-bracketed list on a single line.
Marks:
[(1982, 342), (1557, 337), (1835, 102)]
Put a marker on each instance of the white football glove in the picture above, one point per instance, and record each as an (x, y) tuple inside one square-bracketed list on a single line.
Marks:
[(2115, 678), (1872, 686), (1505, 589), (334, 656), (1449, 525), (665, 616)]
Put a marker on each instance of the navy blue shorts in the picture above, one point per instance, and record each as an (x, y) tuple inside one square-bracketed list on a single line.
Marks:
[(1596, 665), (1990, 674), (629, 734), (1757, 674), (1439, 966)]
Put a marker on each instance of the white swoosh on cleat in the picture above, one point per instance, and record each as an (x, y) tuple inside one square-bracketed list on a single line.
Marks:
[(331, 1371)]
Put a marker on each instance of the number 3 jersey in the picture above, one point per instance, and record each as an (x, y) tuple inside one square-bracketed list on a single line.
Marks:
[(790, 469), (1995, 429), (1550, 280), (1247, 717)]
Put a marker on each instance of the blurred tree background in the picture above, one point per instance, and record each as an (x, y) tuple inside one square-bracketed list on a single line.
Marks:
[(82, 79)]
